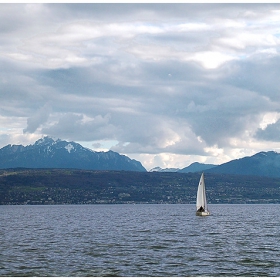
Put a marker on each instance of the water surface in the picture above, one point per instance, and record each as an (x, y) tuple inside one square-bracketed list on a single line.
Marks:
[(139, 240)]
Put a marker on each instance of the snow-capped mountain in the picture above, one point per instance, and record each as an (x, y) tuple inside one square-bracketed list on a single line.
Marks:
[(158, 169), (50, 153), (194, 167)]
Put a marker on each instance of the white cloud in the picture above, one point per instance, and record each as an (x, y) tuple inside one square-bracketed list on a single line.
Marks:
[(269, 118), (210, 59), (167, 84)]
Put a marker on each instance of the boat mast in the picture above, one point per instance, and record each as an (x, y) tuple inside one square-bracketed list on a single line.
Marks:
[(204, 194)]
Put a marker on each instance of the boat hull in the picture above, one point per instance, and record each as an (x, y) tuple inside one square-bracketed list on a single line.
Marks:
[(203, 213)]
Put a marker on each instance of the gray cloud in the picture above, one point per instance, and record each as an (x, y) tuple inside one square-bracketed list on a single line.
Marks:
[(80, 128), (271, 133), (187, 80), (39, 118)]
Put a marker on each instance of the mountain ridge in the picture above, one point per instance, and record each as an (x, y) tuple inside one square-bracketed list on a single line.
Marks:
[(49, 153), (159, 169), (260, 164), (196, 167)]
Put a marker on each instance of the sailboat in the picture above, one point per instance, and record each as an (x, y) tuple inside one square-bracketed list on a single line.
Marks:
[(201, 203)]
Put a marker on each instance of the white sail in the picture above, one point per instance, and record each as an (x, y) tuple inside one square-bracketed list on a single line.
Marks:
[(201, 196)]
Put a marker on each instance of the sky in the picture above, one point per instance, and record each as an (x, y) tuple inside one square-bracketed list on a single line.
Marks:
[(165, 84)]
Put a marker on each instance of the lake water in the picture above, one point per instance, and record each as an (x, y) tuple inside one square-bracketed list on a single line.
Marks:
[(139, 240)]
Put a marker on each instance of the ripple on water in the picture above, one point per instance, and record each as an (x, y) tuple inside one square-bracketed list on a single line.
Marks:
[(139, 240)]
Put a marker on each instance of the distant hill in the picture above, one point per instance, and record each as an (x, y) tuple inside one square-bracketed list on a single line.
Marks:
[(49, 153), (261, 164), (158, 169), (197, 167), (194, 167)]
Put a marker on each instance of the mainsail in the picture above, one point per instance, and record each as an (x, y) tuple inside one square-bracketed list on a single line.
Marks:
[(201, 195)]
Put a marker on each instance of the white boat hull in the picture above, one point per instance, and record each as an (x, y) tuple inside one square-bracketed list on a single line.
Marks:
[(203, 213)]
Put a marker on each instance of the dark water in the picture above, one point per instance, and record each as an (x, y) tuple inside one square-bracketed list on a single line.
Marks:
[(139, 240)]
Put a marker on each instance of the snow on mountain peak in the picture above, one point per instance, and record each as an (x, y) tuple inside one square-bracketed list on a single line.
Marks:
[(45, 141), (156, 169), (69, 148)]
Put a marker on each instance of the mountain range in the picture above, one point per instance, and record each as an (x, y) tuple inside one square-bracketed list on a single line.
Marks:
[(50, 153), (194, 167), (261, 164), (159, 169), (197, 167)]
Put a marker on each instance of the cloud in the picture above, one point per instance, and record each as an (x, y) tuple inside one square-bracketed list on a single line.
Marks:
[(39, 118), (78, 127), (271, 133), (158, 136), (166, 83)]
